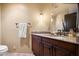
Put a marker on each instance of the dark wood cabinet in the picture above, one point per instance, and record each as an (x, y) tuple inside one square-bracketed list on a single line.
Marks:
[(43, 46), (36, 43), (37, 47), (47, 49), (60, 47), (59, 51), (77, 50)]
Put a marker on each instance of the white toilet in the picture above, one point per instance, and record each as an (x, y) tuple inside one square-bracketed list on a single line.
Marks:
[(3, 49)]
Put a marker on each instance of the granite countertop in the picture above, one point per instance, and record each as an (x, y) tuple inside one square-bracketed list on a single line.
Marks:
[(74, 40)]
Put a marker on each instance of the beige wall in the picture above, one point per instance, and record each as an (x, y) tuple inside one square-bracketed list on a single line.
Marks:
[(12, 14), (15, 13), (0, 23), (38, 24)]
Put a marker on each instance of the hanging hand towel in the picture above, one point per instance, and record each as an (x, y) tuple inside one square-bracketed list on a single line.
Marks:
[(22, 30)]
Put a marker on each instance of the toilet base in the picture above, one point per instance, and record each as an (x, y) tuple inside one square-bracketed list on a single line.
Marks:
[(3, 49), (3, 54)]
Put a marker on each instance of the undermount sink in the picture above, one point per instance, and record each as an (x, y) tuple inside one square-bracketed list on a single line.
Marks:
[(56, 36), (53, 36), (59, 37)]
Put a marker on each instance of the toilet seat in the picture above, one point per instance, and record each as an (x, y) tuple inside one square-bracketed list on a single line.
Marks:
[(3, 48)]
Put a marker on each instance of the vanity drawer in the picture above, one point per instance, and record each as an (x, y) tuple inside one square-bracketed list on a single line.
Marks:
[(48, 40)]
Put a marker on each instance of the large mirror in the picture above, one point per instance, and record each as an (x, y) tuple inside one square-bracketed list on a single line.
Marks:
[(70, 22)]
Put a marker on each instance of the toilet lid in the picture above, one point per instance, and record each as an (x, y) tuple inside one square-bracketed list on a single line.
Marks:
[(3, 47)]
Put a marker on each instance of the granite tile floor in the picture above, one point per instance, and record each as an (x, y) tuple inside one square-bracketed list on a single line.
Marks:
[(18, 54)]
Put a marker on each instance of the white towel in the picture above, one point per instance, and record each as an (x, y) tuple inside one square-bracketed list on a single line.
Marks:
[(22, 30)]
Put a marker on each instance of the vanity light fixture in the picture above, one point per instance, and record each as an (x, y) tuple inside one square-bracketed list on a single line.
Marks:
[(41, 12), (52, 17), (41, 17)]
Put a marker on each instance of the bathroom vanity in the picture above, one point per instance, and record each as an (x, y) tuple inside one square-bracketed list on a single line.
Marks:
[(50, 45)]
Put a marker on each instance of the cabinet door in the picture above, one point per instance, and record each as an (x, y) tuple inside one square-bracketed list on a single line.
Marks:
[(77, 50), (47, 49), (62, 52), (41, 49), (65, 48), (36, 44)]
